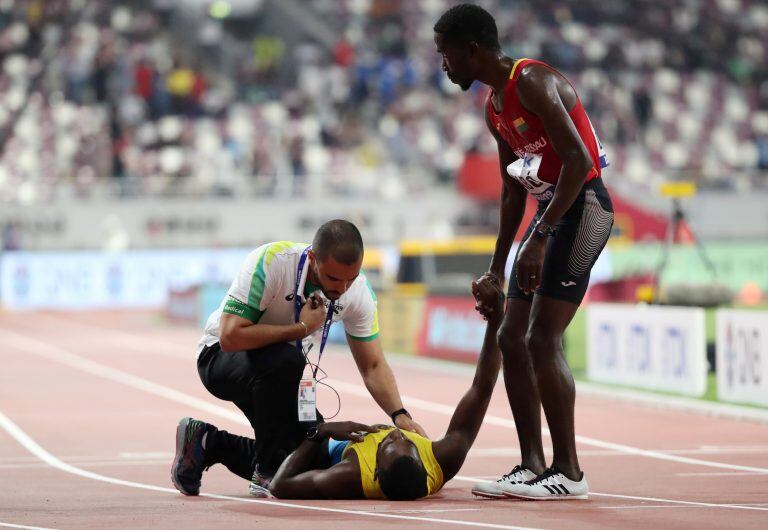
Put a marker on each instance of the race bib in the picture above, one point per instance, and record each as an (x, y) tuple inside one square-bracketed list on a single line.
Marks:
[(525, 170), (307, 400)]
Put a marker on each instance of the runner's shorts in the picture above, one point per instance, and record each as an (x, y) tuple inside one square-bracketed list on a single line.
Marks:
[(571, 253)]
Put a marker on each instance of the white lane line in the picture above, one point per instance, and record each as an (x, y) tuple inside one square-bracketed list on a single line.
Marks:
[(640, 506), (416, 403), (432, 511), (723, 474), (122, 338), (513, 450), (155, 455), (652, 499), (10, 525), (61, 355), (58, 354), (106, 463), (33, 447)]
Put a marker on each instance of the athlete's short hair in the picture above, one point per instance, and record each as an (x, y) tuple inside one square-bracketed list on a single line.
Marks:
[(404, 480), (341, 240), (467, 23)]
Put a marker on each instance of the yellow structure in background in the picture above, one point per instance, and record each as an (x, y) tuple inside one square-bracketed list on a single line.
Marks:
[(678, 190), (437, 267)]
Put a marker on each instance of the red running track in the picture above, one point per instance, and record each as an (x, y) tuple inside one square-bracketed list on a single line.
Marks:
[(89, 403)]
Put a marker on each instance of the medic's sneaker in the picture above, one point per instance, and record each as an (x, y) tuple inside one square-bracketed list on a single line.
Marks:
[(189, 462), (549, 486), (495, 490), (259, 486)]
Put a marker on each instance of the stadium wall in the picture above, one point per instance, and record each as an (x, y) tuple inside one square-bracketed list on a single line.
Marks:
[(189, 223)]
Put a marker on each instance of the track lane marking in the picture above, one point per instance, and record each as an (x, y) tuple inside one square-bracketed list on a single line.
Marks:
[(36, 449), (723, 474), (64, 356), (416, 403), (638, 498), (641, 506), (482, 452), (11, 525)]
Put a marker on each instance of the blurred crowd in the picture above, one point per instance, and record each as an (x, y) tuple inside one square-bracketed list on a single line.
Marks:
[(162, 97)]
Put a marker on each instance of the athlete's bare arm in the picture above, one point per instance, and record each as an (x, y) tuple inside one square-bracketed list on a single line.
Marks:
[(297, 480), (548, 96), (380, 381), (512, 205), (452, 449)]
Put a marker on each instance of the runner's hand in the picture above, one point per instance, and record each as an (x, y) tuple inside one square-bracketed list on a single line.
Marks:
[(407, 424), (530, 262), (313, 314), (489, 297), (345, 430)]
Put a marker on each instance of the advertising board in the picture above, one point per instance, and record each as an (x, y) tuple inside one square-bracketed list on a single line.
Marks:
[(742, 356), (652, 347)]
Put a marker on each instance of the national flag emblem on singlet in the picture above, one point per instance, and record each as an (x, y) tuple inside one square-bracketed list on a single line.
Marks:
[(520, 125)]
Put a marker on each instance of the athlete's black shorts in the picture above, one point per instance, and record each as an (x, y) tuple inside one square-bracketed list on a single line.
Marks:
[(571, 253)]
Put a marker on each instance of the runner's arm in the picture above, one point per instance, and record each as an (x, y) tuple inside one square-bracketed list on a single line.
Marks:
[(295, 479), (538, 93), (465, 423), (341, 481), (512, 205)]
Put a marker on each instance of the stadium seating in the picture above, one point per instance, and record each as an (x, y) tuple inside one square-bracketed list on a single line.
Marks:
[(93, 101)]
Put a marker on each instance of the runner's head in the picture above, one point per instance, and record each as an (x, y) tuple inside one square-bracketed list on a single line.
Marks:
[(399, 469), (464, 35), (336, 257)]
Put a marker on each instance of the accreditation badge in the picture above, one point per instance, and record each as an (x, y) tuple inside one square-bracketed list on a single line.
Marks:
[(307, 400)]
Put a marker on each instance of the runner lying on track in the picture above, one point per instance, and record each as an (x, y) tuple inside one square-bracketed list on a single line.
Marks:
[(348, 460)]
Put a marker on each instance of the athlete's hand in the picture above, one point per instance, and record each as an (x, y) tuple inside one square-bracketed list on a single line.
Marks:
[(489, 296), (313, 314), (345, 430), (407, 424), (530, 262)]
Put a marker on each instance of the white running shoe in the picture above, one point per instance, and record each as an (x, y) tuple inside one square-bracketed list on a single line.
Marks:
[(259, 486), (549, 486), (495, 490)]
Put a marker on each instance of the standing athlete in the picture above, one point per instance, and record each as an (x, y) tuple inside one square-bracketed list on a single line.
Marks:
[(252, 354), (547, 147), (346, 460)]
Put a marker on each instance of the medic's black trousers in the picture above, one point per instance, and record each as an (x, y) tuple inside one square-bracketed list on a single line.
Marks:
[(264, 384)]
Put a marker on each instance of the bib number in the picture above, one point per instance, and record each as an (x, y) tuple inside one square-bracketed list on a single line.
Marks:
[(525, 170), (307, 400)]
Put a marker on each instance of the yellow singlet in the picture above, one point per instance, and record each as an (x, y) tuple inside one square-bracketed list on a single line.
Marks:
[(366, 456)]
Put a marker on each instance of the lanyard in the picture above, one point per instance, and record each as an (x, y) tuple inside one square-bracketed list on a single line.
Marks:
[(297, 309)]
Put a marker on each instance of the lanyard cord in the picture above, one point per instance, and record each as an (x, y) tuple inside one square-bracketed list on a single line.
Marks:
[(297, 305)]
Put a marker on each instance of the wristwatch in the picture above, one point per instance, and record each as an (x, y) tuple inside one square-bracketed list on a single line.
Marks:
[(397, 413), (543, 230), (313, 434)]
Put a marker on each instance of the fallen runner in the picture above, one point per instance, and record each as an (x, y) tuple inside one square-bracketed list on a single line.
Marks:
[(348, 460)]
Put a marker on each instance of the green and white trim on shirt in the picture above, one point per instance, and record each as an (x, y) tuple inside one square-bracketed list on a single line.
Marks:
[(262, 291)]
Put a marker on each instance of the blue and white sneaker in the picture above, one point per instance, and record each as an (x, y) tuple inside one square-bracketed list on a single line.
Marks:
[(189, 462), (549, 486), (496, 490)]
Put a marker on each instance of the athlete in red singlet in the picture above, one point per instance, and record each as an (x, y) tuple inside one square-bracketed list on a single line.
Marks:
[(548, 148)]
